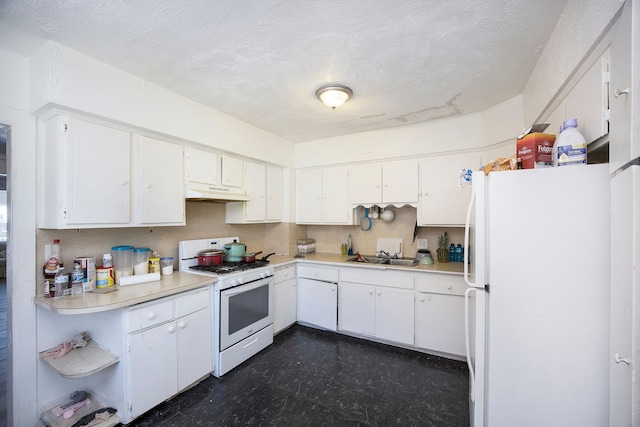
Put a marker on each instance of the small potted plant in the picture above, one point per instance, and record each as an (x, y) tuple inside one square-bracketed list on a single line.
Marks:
[(443, 251)]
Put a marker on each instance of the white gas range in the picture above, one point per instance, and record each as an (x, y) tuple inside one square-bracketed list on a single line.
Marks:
[(242, 303)]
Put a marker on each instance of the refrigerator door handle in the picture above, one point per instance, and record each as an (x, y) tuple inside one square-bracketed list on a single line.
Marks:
[(466, 342), (466, 238)]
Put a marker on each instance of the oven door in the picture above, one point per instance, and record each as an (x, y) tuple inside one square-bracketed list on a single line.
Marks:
[(244, 310)]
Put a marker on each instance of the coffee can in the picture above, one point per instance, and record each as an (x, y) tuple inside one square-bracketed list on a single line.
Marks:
[(104, 277)]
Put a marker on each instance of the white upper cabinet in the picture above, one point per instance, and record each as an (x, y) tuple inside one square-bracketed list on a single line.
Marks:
[(383, 184), (323, 197), (400, 182), (274, 194), (231, 172), (85, 175), (161, 187), (263, 185), (202, 167), (96, 176), (444, 195)]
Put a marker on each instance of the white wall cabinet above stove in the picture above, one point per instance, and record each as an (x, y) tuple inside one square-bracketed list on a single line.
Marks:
[(390, 183), (212, 175), (264, 190), (96, 176)]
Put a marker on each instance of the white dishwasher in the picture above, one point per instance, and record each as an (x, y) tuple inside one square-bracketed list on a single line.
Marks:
[(318, 296)]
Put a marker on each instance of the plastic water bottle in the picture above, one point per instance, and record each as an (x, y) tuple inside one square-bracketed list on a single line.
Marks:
[(459, 256), (570, 148), (77, 277), (452, 253)]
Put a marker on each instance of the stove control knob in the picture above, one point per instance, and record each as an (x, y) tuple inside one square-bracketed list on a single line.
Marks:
[(232, 283), (263, 275), (269, 274), (240, 280)]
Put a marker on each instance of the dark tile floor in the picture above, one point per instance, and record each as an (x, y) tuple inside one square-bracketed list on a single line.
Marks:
[(317, 378)]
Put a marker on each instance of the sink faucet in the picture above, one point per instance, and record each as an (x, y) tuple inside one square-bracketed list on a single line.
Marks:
[(385, 253)]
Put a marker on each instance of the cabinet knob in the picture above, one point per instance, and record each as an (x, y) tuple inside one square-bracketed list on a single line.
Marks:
[(171, 329), (151, 315), (449, 286), (333, 289), (379, 292), (422, 299), (182, 325), (619, 92), (371, 292)]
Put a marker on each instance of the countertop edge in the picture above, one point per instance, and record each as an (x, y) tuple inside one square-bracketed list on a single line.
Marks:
[(124, 296)]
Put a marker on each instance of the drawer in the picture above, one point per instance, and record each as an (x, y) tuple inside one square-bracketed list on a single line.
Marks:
[(441, 284), (318, 273), (150, 314), (193, 301), (377, 277), (284, 273)]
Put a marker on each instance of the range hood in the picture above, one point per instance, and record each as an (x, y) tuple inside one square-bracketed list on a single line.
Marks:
[(213, 194)]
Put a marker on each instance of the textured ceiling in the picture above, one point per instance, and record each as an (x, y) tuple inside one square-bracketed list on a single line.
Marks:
[(407, 61)]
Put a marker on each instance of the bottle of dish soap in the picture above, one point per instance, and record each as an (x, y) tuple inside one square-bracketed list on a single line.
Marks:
[(349, 245)]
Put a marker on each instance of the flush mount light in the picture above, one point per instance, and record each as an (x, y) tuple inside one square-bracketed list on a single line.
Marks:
[(334, 95)]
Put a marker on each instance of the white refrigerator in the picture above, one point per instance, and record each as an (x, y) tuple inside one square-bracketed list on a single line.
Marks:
[(538, 301)]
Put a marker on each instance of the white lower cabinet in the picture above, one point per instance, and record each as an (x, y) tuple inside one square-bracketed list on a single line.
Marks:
[(169, 347), (440, 314), (383, 312), (285, 296), (318, 296)]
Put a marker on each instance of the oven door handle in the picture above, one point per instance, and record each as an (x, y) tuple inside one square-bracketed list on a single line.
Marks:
[(240, 289)]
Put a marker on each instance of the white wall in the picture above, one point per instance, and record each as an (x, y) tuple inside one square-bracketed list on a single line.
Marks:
[(497, 125), (21, 269), (63, 77)]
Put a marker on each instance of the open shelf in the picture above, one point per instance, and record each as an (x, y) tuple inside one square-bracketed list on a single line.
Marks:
[(81, 362)]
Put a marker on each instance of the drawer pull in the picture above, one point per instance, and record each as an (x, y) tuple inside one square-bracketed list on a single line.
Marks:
[(151, 315), (171, 329), (182, 325)]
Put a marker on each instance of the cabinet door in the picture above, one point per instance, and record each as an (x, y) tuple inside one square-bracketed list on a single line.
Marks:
[(232, 172), (400, 182), (365, 184), (202, 167), (309, 197), (444, 195), (98, 167), (394, 314), (285, 297), (195, 347), (318, 303), (161, 182), (357, 308), (335, 196), (274, 193), (440, 323), (152, 367), (255, 176)]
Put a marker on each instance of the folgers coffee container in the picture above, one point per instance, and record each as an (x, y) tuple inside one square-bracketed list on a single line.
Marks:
[(88, 267), (534, 150)]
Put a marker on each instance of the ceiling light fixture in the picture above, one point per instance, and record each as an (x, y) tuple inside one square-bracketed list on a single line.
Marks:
[(334, 95)]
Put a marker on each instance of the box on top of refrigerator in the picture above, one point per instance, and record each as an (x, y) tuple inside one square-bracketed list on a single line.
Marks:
[(534, 150)]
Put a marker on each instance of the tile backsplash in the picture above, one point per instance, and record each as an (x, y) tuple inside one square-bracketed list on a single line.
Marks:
[(208, 220)]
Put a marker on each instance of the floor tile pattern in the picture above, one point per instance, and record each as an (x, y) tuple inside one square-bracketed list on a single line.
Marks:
[(317, 378)]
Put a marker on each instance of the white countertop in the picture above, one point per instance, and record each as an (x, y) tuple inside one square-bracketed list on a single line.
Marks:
[(178, 282), (125, 296)]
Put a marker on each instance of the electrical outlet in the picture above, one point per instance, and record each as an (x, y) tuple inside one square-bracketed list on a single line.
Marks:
[(422, 243)]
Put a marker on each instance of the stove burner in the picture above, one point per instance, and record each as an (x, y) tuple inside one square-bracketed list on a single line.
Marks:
[(230, 267)]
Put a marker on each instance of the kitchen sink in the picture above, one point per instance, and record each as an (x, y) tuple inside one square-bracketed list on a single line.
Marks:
[(408, 262), (369, 259)]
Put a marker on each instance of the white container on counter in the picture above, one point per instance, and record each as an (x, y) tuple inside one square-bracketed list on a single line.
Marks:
[(122, 261), (166, 263), (140, 260)]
